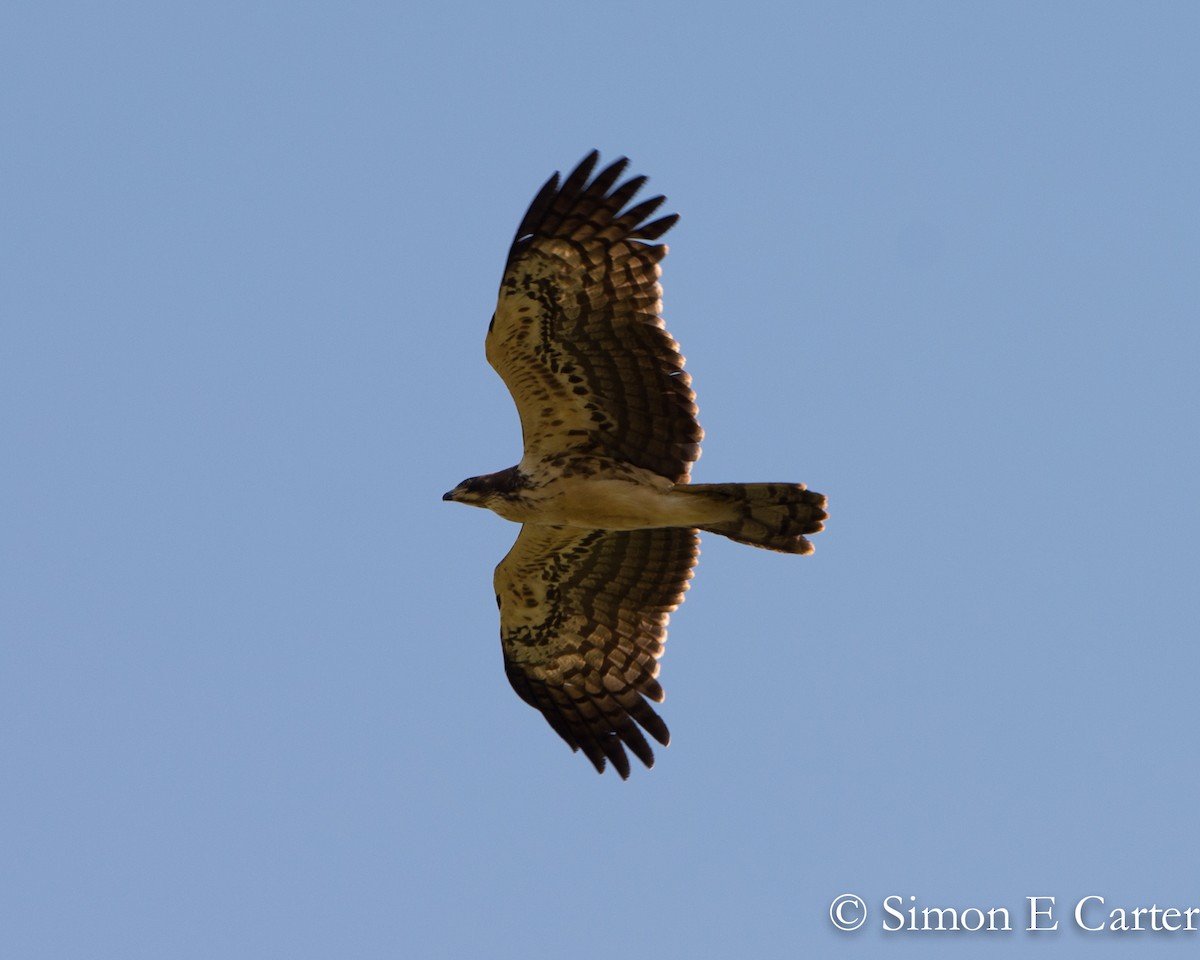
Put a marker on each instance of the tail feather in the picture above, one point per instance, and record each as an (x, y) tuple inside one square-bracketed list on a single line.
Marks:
[(775, 516)]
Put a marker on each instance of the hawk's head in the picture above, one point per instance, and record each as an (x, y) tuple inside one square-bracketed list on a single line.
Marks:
[(486, 490)]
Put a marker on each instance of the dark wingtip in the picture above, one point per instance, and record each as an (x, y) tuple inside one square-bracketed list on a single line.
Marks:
[(578, 178), (655, 229)]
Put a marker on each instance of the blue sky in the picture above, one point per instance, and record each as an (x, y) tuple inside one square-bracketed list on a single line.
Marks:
[(936, 260)]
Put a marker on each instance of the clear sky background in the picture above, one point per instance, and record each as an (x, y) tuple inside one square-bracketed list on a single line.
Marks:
[(937, 260)]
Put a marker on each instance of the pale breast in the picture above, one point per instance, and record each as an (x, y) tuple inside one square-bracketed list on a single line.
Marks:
[(594, 493)]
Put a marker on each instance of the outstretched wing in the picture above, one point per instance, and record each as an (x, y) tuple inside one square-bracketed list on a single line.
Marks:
[(583, 619), (577, 335)]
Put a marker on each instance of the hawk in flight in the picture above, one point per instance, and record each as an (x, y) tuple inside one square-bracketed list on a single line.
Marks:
[(609, 522)]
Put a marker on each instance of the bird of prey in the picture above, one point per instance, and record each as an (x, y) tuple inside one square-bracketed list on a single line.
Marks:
[(609, 522)]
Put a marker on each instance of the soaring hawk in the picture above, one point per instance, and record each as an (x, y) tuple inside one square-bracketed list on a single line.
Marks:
[(610, 524)]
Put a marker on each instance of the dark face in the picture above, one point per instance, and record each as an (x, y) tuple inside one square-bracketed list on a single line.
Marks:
[(479, 491), (470, 491)]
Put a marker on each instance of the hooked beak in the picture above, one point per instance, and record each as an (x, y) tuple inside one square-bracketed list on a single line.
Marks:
[(448, 496)]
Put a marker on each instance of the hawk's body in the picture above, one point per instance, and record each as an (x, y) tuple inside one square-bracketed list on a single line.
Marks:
[(609, 534)]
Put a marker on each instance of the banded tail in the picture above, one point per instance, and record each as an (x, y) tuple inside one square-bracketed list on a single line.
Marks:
[(774, 516)]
